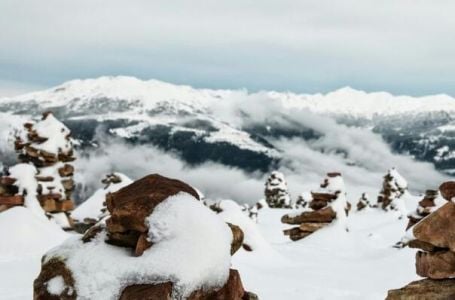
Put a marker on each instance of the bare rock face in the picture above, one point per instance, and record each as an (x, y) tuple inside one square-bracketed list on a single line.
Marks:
[(426, 289)]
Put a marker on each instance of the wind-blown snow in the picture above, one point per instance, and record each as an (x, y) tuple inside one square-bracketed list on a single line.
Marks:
[(191, 247)]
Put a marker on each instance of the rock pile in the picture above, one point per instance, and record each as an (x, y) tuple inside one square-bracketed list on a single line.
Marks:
[(431, 202), (436, 258), (394, 187), (363, 202), (327, 204), (276, 191), (9, 193), (155, 218), (45, 145)]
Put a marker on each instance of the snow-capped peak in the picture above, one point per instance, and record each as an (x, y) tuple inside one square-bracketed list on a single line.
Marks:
[(148, 93)]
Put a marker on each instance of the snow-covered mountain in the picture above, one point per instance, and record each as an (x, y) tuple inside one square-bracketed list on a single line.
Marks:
[(238, 128)]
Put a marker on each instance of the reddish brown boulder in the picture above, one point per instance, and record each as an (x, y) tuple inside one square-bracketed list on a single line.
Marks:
[(325, 215), (435, 265), (131, 205), (438, 228), (426, 289), (447, 190)]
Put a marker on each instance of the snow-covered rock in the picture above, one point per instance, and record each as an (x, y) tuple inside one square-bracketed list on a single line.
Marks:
[(276, 191), (187, 247)]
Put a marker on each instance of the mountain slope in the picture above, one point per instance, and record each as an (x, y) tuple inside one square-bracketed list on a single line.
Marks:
[(246, 130)]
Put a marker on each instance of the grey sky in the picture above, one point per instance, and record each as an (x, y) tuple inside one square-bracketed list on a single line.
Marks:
[(402, 46)]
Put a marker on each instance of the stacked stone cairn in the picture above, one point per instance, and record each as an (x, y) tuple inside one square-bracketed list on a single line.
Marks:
[(363, 202), (394, 187), (435, 260), (431, 202), (276, 191), (127, 228), (327, 204), (45, 145)]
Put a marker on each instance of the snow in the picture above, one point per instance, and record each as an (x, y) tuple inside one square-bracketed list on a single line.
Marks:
[(27, 185), (398, 180), (91, 208), (331, 263), (55, 186), (24, 234), (61, 220), (191, 246), (232, 213), (56, 133), (148, 94), (56, 285)]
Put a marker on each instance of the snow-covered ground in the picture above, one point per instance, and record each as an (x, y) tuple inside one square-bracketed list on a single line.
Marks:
[(330, 264)]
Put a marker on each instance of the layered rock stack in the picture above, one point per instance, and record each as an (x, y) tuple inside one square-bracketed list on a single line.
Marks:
[(394, 187), (276, 191), (153, 218), (431, 202), (9, 193), (327, 204), (435, 260), (363, 202), (45, 145)]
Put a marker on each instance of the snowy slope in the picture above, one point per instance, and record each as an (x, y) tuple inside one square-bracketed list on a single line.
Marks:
[(146, 95), (330, 264)]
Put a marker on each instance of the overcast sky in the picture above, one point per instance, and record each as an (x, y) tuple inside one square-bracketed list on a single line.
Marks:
[(404, 47)]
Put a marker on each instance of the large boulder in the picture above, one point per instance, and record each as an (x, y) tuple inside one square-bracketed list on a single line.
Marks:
[(178, 246)]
